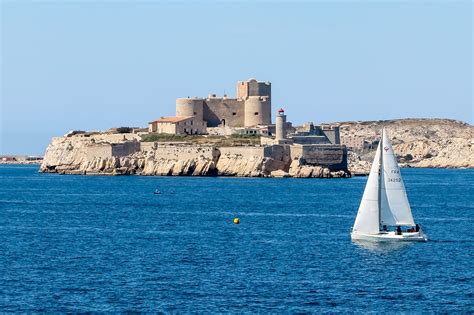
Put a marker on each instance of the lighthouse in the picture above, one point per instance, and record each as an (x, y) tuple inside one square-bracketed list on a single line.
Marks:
[(280, 125)]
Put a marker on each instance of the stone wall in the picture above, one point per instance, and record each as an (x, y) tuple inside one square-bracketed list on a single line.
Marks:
[(224, 110), (333, 157), (310, 140), (126, 148), (184, 152), (113, 138), (84, 155), (244, 151), (99, 150)]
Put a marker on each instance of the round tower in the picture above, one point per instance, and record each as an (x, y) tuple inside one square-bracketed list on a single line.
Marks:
[(280, 127), (257, 111), (190, 107)]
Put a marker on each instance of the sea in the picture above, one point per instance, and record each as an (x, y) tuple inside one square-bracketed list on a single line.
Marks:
[(73, 243)]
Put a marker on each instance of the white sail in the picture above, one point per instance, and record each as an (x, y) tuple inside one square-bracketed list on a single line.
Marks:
[(367, 220), (395, 208), (386, 216)]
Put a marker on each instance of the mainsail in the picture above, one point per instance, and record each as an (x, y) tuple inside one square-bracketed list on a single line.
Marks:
[(395, 207)]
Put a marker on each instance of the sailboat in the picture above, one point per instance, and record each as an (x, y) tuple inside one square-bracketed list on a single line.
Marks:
[(384, 212)]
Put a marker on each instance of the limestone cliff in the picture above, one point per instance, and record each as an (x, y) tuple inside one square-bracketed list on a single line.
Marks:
[(417, 142), (95, 154)]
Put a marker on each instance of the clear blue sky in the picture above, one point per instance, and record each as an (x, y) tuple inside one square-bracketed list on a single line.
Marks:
[(94, 65)]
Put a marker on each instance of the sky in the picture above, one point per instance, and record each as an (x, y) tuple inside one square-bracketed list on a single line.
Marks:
[(92, 65)]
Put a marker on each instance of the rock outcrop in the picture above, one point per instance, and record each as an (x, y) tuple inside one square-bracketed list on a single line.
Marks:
[(95, 155), (440, 143)]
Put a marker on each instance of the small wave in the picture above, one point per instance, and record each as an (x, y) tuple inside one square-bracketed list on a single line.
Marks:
[(450, 241), (445, 219)]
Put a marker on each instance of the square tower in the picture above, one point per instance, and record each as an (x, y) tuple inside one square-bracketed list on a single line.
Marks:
[(252, 87)]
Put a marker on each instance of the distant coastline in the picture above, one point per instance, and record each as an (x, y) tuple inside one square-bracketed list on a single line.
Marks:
[(20, 162)]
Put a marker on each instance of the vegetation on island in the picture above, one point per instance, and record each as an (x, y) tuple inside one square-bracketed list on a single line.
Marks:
[(223, 141)]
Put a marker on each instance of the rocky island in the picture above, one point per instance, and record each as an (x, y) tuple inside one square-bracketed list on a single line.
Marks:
[(223, 136), (124, 154), (417, 142)]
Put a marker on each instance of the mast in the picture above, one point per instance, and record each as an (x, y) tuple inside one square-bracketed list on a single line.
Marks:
[(379, 197)]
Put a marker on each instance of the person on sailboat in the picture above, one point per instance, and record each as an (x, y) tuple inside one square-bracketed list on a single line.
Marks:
[(399, 230)]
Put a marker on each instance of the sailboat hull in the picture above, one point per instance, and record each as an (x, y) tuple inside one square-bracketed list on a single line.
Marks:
[(391, 236)]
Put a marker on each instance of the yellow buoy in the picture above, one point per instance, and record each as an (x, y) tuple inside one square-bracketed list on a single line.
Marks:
[(236, 221)]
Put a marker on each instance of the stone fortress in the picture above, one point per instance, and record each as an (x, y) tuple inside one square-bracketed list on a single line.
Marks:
[(251, 107), (248, 113), (284, 150)]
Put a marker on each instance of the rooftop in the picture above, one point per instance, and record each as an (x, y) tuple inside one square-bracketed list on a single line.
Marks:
[(174, 119)]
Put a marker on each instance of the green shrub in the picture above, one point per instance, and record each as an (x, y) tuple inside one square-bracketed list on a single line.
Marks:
[(151, 137), (252, 136)]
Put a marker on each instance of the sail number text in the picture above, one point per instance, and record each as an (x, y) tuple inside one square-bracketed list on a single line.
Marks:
[(395, 179)]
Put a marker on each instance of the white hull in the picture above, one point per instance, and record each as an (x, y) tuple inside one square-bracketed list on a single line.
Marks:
[(391, 236)]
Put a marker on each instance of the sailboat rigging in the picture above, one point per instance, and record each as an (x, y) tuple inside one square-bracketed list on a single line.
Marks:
[(384, 212)]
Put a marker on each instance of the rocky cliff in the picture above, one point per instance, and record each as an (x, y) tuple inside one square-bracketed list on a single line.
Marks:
[(417, 142), (97, 154)]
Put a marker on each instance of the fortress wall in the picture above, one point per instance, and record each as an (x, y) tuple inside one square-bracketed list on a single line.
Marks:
[(98, 150), (218, 109), (278, 152), (126, 148), (185, 152), (306, 140), (115, 138), (244, 151), (332, 156)]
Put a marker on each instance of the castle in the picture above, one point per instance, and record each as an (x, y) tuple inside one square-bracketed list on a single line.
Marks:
[(251, 107), (248, 113)]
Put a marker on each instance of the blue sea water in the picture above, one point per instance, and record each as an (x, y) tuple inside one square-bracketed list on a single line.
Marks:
[(97, 243)]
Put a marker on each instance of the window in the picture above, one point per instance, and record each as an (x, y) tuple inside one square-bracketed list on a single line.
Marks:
[(256, 113), (194, 113), (233, 114)]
